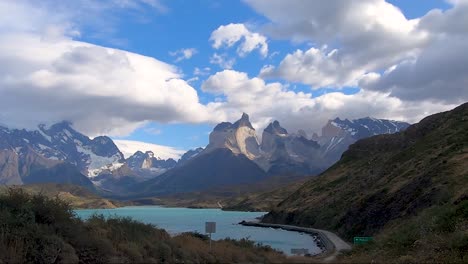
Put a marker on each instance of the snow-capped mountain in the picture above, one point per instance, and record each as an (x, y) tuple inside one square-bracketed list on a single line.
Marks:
[(338, 135), (189, 155), (61, 142)]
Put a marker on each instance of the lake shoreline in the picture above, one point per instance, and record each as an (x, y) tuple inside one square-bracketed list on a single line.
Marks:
[(180, 220), (330, 244)]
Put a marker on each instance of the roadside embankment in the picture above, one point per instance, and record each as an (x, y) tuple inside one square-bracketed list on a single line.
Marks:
[(331, 244)]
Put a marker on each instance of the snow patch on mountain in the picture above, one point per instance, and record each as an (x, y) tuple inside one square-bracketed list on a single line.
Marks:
[(130, 147), (96, 164)]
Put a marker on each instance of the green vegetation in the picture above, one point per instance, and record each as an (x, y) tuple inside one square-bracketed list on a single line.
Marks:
[(37, 229), (438, 234), (407, 190)]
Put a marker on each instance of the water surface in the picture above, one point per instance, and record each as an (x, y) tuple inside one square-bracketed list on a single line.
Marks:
[(178, 220)]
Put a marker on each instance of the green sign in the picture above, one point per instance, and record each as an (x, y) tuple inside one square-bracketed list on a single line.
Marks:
[(362, 240)]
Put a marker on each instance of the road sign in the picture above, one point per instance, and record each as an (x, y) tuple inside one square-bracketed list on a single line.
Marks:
[(362, 240), (299, 251), (210, 227)]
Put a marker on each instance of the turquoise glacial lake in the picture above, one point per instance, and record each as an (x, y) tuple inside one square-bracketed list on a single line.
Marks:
[(178, 220)]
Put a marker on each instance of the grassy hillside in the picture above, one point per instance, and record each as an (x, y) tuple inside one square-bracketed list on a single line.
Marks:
[(38, 229), (77, 196), (401, 188)]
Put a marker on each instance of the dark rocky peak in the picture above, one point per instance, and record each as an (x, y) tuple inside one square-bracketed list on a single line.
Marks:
[(104, 146), (275, 129), (190, 154), (244, 121), (102, 140), (165, 164), (137, 154), (223, 126), (227, 126), (331, 129), (62, 132), (308, 142), (60, 126)]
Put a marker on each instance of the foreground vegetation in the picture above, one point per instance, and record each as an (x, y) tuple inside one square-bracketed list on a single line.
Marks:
[(37, 229), (438, 235)]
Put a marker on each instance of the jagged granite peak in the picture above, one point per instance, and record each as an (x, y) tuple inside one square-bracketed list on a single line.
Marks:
[(149, 161), (289, 154), (243, 121), (239, 137), (223, 126), (275, 128)]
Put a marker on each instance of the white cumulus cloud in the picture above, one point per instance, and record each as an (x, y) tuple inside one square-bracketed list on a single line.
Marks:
[(229, 35), (422, 58)]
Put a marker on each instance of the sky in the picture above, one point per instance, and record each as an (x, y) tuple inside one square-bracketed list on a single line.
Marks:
[(160, 74)]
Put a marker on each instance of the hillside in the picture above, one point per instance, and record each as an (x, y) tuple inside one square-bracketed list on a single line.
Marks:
[(216, 169), (385, 183), (77, 196)]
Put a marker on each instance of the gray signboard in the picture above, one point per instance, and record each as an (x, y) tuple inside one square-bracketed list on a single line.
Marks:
[(210, 227)]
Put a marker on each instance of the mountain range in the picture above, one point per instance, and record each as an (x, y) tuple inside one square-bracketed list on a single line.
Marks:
[(234, 155)]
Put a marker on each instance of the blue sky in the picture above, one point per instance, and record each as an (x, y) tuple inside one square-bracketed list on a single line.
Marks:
[(189, 24), (335, 58)]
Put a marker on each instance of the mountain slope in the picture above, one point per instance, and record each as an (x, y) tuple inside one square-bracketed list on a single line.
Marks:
[(385, 179), (216, 168)]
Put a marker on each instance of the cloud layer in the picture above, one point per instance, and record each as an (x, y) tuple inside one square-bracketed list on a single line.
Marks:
[(372, 44)]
